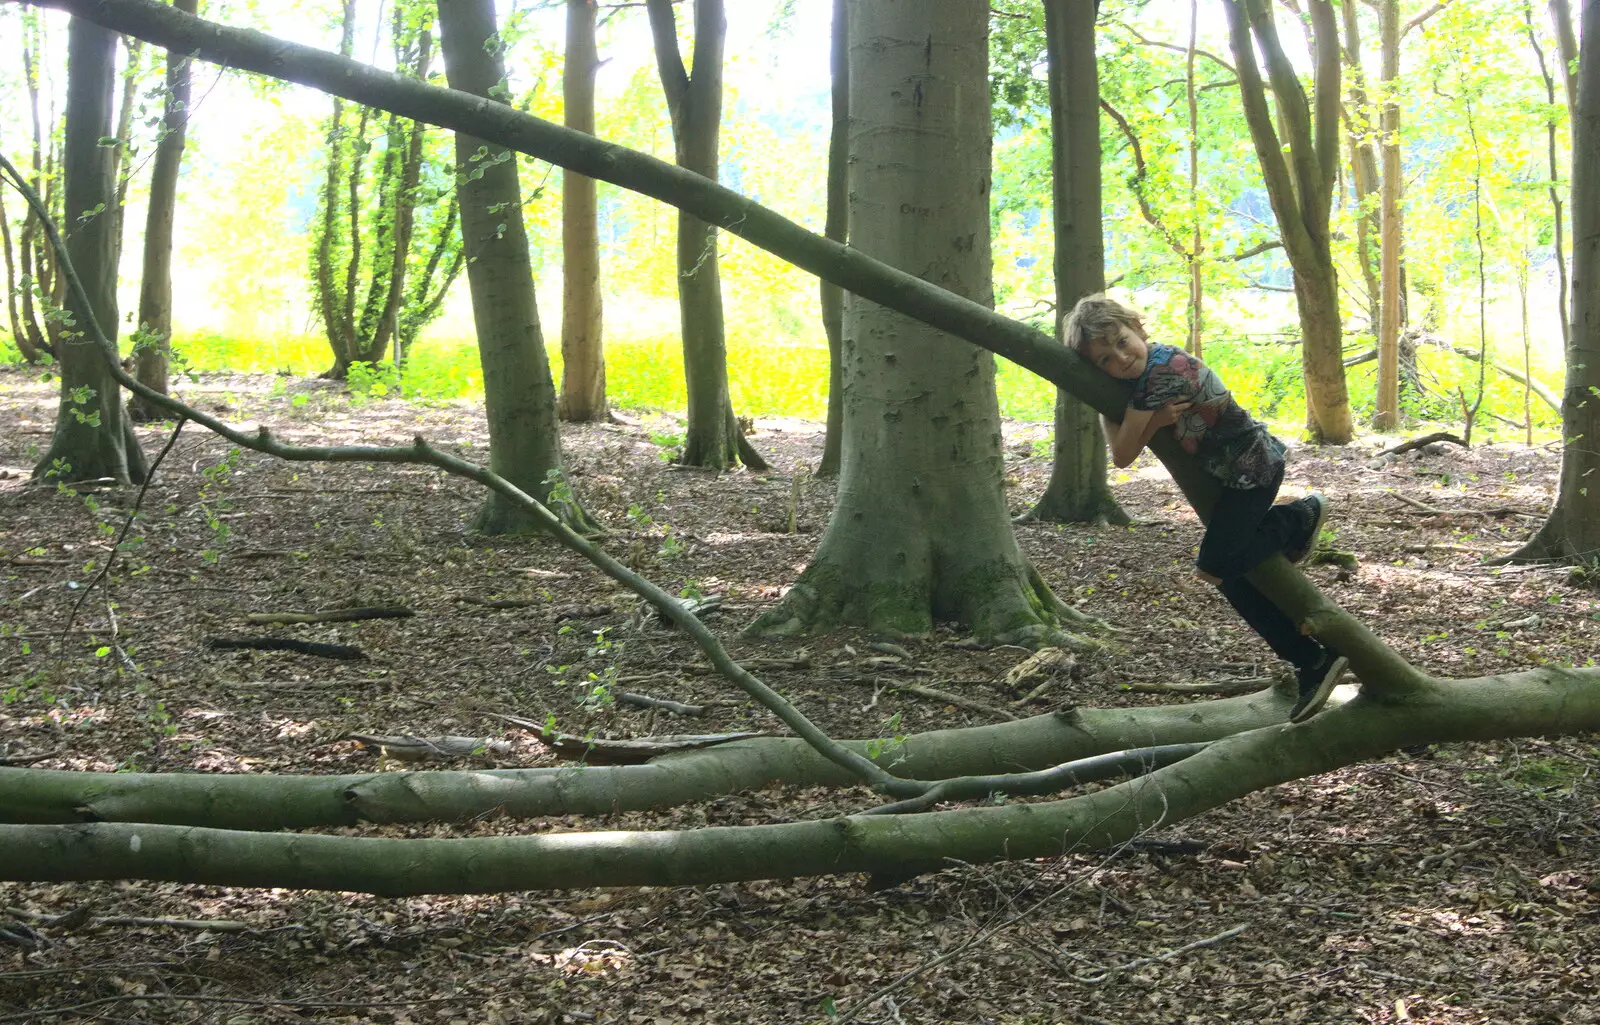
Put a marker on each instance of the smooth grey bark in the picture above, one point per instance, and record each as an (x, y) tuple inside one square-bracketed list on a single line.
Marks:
[(583, 364), (1542, 701), (93, 440), (1572, 531), (1387, 414), (1365, 192), (712, 436), (122, 166), (919, 530), (837, 227), (40, 334), (1300, 188), (519, 394), (1077, 491), (153, 352), (1553, 157), (264, 802)]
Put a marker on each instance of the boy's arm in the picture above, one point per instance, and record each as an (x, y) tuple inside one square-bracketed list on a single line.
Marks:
[(1127, 439)]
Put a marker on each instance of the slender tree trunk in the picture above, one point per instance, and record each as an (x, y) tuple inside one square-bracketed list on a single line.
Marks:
[(399, 179), (1567, 50), (21, 337), (1387, 415), (712, 436), (153, 351), (36, 257), (1572, 532), (1197, 318), (328, 250), (1077, 491), (583, 374), (837, 228), (519, 395), (1363, 159), (1301, 189), (1552, 150), (122, 154), (919, 532), (92, 438)]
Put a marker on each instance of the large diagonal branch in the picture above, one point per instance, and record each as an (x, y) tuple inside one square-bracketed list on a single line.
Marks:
[(1377, 665)]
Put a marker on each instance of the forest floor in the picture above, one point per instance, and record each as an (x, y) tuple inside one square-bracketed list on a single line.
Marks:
[(1455, 884)]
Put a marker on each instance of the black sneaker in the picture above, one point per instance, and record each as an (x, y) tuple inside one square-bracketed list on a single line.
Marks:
[(1316, 684), (1317, 508)]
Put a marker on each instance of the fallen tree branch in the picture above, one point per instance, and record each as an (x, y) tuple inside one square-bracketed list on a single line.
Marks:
[(1416, 443), (348, 652), (81, 917), (333, 616), (407, 748), (259, 801), (1545, 700)]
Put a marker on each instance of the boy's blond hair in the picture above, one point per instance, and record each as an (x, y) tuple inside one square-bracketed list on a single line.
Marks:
[(1095, 318)]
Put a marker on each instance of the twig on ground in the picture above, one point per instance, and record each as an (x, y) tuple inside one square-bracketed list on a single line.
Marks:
[(1227, 934), (202, 998), (144, 488), (1223, 687), (1416, 443), (1133, 762), (80, 917), (666, 705), (1435, 860), (340, 651), (970, 704)]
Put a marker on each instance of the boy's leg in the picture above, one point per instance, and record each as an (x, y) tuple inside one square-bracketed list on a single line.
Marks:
[(1245, 530), (1267, 620), (1316, 666)]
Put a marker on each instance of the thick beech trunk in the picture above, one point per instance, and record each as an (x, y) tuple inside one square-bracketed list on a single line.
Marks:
[(1077, 491), (152, 353), (920, 530), (93, 439), (583, 364), (519, 394)]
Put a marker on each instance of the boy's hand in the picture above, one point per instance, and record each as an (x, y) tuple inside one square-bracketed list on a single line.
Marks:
[(1168, 415)]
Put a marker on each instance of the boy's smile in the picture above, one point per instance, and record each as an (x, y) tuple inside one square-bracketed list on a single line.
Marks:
[(1123, 357)]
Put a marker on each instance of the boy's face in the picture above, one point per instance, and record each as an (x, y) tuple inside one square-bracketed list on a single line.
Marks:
[(1123, 355)]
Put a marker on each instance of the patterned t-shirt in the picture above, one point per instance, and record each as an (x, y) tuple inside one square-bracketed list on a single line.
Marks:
[(1235, 449)]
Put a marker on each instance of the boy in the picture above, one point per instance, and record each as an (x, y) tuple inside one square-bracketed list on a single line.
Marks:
[(1169, 387)]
